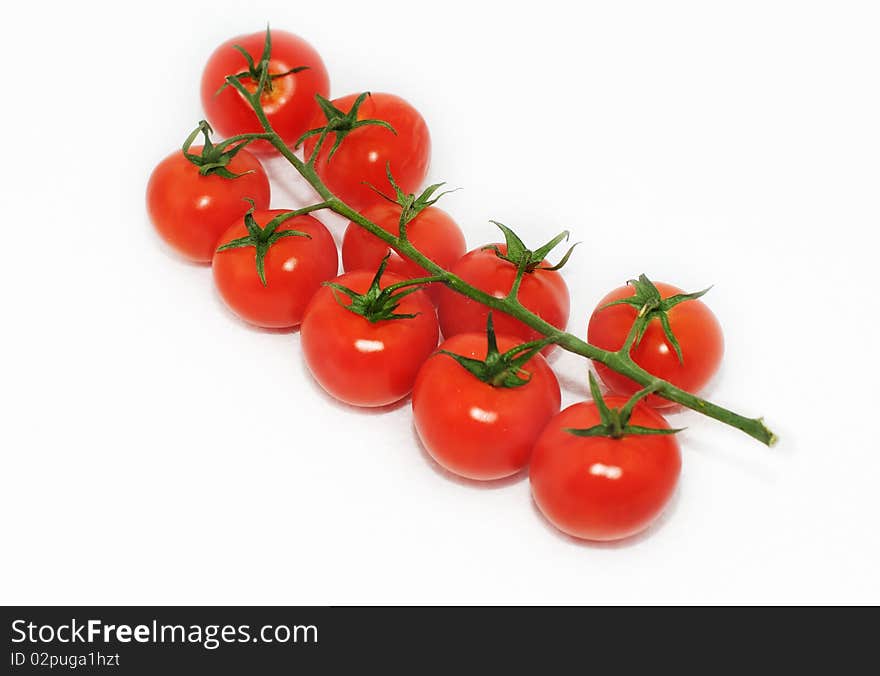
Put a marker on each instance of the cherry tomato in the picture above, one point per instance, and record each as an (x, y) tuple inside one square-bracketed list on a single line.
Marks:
[(367, 363), (432, 231), (542, 291), (191, 211), (694, 326), (364, 152), (290, 103), (294, 267), (598, 488), (472, 428)]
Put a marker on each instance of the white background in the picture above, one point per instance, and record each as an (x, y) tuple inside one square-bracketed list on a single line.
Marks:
[(156, 450)]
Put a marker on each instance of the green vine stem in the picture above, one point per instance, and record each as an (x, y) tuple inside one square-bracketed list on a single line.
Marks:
[(619, 360)]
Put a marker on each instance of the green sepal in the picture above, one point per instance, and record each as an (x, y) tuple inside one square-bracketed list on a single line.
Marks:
[(525, 259), (377, 304), (263, 238), (340, 123), (500, 369), (615, 421), (410, 204), (629, 430), (639, 430), (651, 305), (259, 71), (213, 158)]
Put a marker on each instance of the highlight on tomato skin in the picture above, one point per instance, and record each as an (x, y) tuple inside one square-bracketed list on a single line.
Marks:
[(190, 211), (365, 363), (599, 488), (367, 152), (695, 327), (472, 428), (543, 292), (289, 106), (433, 232), (295, 268)]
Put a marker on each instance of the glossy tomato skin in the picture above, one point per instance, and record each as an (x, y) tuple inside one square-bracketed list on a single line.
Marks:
[(694, 326), (364, 152), (596, 488), (433, 232), (295, 268), (476, 430), (543, 292), (190, 211), (290, 105), (363, 363)]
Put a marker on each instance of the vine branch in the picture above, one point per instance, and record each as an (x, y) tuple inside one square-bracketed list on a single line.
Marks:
[(619, 361)]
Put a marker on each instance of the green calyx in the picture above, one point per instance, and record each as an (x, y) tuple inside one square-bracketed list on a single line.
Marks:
[(378, 304), (259, 71), (615, 421), (651, 305), (501, 369), (263, 238), (213, 159), (526, 259), (410, 205), (339, 123)]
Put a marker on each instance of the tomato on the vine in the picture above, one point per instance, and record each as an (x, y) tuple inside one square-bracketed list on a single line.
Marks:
[(366, 148), (432, 231), (296, 74), (268, 267), (543, 291), (691, 324), (602, 488), (364, 337), (193, 196), (479, 419)]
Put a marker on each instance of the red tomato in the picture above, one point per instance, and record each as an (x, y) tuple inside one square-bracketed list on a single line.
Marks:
[(295, 268), (191, 211), (289, 105), (694, 326), (598, 488), (367, 363), (542, 291), (365, 151), (476, 430), (432, 231)]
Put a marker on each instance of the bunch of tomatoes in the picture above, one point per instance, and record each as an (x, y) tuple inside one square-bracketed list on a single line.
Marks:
[(486, 403)]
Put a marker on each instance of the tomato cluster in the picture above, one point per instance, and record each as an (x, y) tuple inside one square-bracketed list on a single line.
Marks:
[(486, 402)]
